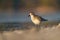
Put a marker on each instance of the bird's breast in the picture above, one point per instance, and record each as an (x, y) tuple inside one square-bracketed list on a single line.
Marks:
[(35, 21)]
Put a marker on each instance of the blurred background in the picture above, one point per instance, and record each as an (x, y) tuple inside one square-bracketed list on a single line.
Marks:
[(16, 25), (15, 12), (18, 10)]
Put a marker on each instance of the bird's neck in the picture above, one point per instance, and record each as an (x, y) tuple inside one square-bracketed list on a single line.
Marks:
[(32, 16)]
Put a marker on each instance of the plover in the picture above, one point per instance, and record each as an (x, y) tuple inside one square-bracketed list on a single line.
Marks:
[(36, 19)]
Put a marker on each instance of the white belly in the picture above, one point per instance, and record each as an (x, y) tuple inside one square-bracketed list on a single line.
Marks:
[(37, 22)]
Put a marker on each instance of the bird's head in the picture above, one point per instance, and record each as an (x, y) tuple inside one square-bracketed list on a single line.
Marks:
[(31, 14)]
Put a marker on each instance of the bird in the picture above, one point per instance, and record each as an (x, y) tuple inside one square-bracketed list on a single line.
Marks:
[(37, 20)]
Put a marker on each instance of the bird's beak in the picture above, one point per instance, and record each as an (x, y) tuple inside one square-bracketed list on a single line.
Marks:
[(28, 15)]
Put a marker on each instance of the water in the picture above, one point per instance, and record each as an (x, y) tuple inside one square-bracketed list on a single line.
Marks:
[(23, 16)]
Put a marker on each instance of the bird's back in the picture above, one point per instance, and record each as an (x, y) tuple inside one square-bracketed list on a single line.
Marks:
[(40, 18)]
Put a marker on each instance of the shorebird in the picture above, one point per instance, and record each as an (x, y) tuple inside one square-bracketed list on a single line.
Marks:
[(36, 19)]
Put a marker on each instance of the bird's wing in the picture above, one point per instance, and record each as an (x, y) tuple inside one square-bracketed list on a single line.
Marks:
[(37, 17), (40, 18)]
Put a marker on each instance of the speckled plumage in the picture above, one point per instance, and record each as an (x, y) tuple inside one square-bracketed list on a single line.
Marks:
[(36, 19)]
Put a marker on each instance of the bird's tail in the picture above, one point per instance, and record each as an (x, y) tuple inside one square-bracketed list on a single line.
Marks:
[(44, 20)]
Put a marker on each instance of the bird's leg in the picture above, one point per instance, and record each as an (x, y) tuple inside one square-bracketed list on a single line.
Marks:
[(37, 27)]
